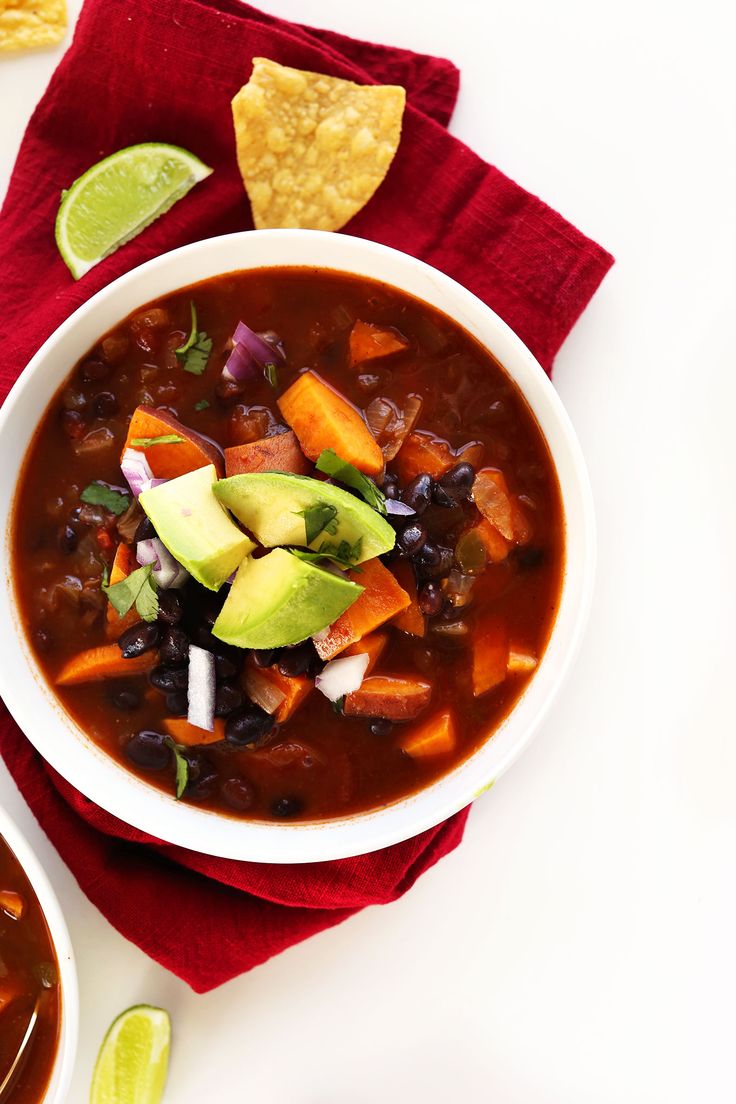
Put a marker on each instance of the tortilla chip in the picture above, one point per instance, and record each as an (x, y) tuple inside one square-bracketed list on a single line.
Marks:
[(25, 24), (313, 149)]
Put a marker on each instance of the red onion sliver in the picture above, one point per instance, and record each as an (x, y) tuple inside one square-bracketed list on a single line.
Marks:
[(342, 676), (261, 351), (398, 508), (241, 365), (201, 688), (167, 572), (136, 470)]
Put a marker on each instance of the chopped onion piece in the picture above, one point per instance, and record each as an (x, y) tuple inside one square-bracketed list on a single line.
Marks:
[(201, 688), (241, 365), (398, 508), (263, 352), (167, 572), (262, 691), (137, 471), (342, 676)]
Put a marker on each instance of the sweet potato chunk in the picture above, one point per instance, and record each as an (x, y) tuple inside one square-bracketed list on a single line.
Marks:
[(189, 735), (101, 663), (291, 691), (435, 736), (410, 620), (398, 699), (372, 645), (11, 988), (423, 452), (521, 660), (168, 461), (490, 657), (322, 419), (380, 600), (12, 903), (278, 453), (122, 565), (368, 341)]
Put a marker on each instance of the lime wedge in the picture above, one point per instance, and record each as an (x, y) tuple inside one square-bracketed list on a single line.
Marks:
[(134, 1058), (118, 197)]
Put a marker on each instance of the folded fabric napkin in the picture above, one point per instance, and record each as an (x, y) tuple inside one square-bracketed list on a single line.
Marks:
[(165, 70)]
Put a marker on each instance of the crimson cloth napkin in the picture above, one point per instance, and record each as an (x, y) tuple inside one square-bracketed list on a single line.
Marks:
[(166, 70)]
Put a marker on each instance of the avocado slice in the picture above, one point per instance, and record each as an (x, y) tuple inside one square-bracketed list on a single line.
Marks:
[(195, 528), (271, 505), (279, 599)]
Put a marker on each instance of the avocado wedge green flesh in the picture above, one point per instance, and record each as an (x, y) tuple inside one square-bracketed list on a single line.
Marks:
[(271, 505), (279, 599), (195, 528)]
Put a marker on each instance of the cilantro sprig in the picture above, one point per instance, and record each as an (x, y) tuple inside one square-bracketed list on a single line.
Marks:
[(332, 464), (195, 352), (182, 767), (100, 494), (344, 554), (320, 518), (164, 439), (137, 589)]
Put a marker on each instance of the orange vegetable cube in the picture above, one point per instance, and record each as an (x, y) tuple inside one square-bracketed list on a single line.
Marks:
[(322, 419), (12, 904), (189, 735), (368, 341), (381, 599), (278, 453), (372, 645), (521, 660), (167, 461), (435, 736), (266, 686), (122, 565), (423, 452), (410, 620), (490, 657), (398, 699), (103, 662)]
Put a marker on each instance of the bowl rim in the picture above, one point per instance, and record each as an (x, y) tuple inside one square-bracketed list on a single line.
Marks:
[(66, 1049), (134, 801)]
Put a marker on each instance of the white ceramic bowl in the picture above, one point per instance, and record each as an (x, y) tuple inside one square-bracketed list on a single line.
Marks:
[(67, 1045), (128, 797)]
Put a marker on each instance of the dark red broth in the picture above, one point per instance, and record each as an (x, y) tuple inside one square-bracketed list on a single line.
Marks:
[(319, 764), (28, 973)]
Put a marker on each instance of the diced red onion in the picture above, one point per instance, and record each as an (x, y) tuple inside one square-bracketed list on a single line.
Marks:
[(342, 676), (241, 365), (262, 351), (398, 508), (136, 470), (168, 572), (201, 688), (262, 691)]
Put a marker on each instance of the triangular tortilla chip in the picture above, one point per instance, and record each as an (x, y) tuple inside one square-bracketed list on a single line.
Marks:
[(313, 149), (25, 24)]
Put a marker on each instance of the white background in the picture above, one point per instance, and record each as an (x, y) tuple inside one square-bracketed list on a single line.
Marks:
[(579, 946)]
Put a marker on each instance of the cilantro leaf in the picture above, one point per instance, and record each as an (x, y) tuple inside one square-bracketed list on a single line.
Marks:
[(271, 373), (317, 519), (182, 767), (338, 706), (203, 404), (332, 464), (100, 494), (195, 352), (137, 589), (165, 439), (343, 554)]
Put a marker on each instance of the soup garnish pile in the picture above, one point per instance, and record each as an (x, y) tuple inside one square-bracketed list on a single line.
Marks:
[(288, 544)]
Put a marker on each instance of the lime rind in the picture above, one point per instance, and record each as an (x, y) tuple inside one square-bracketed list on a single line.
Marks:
[(133, 1062), (120, 196)]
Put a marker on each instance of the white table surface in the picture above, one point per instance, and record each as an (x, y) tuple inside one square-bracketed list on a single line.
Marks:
[(579, 946)]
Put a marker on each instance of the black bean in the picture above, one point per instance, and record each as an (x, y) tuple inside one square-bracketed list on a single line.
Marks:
[(203, 777), (148, 750), (177, 703), (170, 607), (433, 560), (440, 497), (139, 638), (145, 530), (250, 725), (73, 424), (169, 679), (265, 657), (225, 668), (380, 726), (529, 558), (430, 599), (238, 793), (105, 404), (390, 485), (456, 484), (125, 700), (174, 647), (287, 806), (94, 370), (411, 538), (228, 698), (295, 661), (418, 494), (68, 540)]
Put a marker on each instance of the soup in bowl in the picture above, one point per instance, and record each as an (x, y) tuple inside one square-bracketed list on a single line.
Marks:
[(38, 995), (293, 542)]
